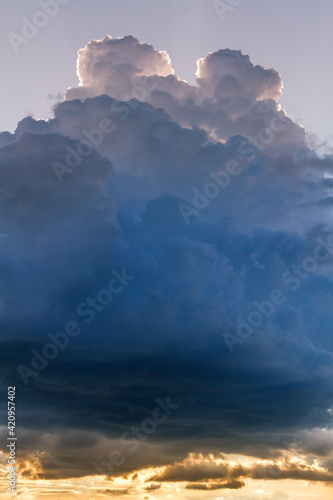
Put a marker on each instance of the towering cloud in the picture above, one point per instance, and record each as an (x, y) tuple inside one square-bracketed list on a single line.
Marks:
[(114, 65), (231, 95), (208, 195)]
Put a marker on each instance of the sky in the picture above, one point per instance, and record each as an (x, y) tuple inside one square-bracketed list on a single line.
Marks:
[(166, 249)]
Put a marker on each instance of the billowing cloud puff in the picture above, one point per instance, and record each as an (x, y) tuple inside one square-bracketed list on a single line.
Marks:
[(211, 200), (228, 73), (231, 95), (112, 66)]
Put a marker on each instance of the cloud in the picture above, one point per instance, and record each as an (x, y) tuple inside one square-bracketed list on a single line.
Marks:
[(126, 166), (114, 492), (212, 473), (231, 485), (112, 65), (231, 95), (44, 216)]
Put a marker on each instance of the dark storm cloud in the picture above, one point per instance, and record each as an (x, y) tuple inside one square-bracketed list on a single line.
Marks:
[(116, 205)]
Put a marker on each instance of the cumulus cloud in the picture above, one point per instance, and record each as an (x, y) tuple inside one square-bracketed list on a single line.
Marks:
[(231, 95), (113, 65), (100, 186)]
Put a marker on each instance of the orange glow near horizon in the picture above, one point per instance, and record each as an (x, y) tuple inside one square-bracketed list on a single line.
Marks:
[(149, 483)]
